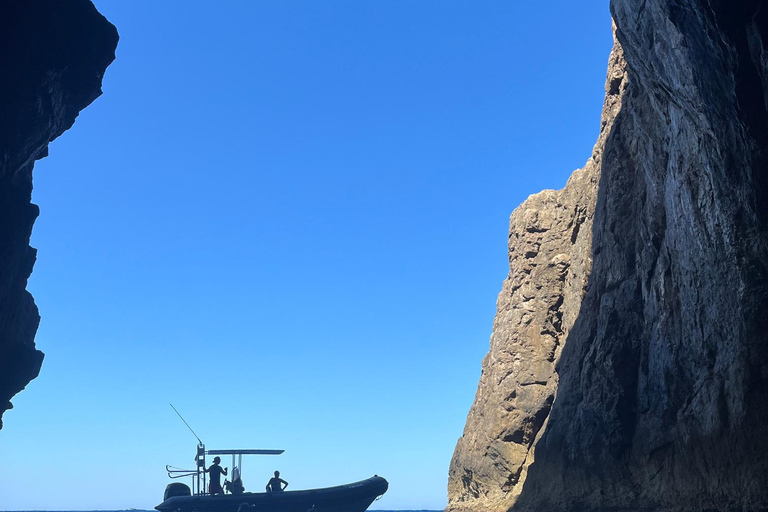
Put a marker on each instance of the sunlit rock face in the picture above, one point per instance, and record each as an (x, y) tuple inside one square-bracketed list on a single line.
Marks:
[(53, 55), (550, 257), (660, 392)]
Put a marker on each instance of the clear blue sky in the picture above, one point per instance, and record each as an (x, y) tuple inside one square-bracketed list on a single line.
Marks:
[(290, 220)]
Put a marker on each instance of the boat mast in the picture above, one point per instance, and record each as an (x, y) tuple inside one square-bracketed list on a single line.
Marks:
[(199, 458), (200, 466)]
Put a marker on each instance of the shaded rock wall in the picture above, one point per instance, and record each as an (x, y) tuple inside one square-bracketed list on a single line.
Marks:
[(662, 383), (53, 55)]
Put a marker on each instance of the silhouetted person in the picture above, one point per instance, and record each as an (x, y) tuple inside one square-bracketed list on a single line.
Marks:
[(236, 485), (275, 483), (216, 471)]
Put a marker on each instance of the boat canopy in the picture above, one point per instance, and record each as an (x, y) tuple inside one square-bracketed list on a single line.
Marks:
[(244, 452), (199, 480)]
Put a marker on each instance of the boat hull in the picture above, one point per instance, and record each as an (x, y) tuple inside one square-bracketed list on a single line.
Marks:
[(354, 497)]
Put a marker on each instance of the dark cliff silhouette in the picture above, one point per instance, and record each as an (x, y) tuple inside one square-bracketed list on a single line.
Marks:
[(53, 56)]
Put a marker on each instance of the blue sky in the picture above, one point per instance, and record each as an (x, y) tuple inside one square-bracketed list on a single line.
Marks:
[(289, 219)]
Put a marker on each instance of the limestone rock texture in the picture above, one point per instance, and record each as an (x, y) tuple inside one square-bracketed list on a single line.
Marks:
[(658, 382), (550, 258), (53, 55)]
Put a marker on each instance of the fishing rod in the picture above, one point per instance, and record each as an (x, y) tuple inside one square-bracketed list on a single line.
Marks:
[(187, 424)]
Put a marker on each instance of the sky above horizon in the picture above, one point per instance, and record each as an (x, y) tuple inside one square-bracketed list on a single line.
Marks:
[(289, 219)]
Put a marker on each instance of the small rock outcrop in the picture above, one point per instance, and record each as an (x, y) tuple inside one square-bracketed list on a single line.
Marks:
[(659, 397), (53, 55)]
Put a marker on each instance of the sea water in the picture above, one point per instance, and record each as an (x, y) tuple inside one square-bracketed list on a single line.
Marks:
[(138, 510)]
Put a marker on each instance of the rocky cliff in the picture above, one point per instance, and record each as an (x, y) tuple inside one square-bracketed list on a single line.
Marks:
[(53, 55), (629, 360), (550, 258)]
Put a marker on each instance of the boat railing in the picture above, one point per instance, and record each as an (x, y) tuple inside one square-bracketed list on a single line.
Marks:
[(174, 472)]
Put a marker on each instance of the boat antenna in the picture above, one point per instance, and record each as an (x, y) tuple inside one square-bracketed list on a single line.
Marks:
[(185, 422)]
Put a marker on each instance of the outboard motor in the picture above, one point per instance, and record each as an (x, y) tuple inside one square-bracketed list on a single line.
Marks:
[(176, 489)]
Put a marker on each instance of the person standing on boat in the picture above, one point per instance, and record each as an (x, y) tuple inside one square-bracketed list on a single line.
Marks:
[(216, 471), (275, 483)]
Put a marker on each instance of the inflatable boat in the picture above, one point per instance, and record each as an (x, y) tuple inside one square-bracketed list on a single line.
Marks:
[(355, 497), (179, 497)]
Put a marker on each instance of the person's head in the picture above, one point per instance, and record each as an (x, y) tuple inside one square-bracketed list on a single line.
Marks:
[(277, 473), (216, 459)]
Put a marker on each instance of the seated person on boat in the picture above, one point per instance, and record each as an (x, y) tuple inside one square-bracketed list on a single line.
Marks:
[(275, 483), (236, 485)]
